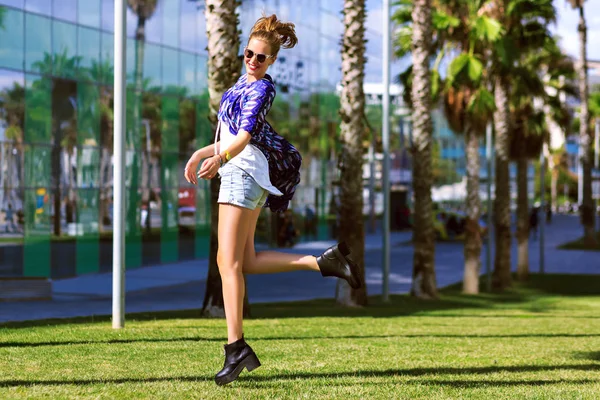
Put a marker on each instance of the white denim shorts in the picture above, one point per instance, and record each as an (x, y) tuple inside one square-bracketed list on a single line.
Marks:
[(239, 188)]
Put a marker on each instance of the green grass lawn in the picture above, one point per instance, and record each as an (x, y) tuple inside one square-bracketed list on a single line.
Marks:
[(579, 244), (539, 341)]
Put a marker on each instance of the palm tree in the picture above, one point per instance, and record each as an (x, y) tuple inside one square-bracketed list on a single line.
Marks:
[(585, 137), (538, 78), (352, 111), (469, 107), (224, 68), (523, 21), (424, 282)]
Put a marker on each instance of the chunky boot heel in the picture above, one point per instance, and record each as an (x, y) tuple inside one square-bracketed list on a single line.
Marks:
[(238, 355), (335, 262), (252, 362)]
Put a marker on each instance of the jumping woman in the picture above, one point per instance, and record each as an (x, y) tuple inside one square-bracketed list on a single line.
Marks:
[(258, 168)]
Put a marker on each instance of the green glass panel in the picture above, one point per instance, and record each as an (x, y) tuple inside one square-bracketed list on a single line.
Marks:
[(38, 44), (203, 203), (201, 76), (64, 40), (88, 114), (169, 179), (38, 109), (36, 240), (89, 51), (187, 72), (169, 232), (170, 70), (11, 39), (170, 124), (152, 66), (107, 58), (88, 177), (87, 245), (131, 59), (133, 239), (37, 168)]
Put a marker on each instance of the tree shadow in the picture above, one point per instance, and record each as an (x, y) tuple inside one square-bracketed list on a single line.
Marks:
[(409, 372), (523, 296), (295, 338)]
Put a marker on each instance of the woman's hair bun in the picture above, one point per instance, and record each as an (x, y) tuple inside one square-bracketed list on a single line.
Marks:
[(284, 32)]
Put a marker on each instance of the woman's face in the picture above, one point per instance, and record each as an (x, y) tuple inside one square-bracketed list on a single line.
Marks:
[(254, 68)]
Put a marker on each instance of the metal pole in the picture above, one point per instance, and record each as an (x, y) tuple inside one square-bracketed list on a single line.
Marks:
[(579, 175), (118, 311), (488, 253), (597, 155), (386, 148), (542, 207), (597, 145), (372, 184)]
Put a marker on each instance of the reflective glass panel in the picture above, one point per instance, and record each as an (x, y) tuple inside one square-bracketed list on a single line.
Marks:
[(108, 15), (38, 37), (171, 23), (89, 12), (187, 73), (64, 37), (170, 70), (65, 10), (187, 25), (13, 3), (12, 104), (106, 72), (39, 6), (11, 39), (152, 64), (89, 47)]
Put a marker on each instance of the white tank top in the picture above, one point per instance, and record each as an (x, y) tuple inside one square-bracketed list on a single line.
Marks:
[(250, 159)]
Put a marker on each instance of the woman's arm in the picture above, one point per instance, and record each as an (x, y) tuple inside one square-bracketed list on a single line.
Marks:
[(205, 152), (210, 166)]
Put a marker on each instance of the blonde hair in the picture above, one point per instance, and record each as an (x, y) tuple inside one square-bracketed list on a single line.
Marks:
[(274, 32)]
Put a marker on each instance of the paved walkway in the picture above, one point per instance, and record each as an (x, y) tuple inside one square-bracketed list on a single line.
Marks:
[(181, 285)]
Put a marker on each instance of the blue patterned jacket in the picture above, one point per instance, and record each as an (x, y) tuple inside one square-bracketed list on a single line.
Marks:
[(245, 106)]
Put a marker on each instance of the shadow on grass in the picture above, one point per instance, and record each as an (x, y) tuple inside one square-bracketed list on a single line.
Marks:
[(588, 355), (580, 244), (410, 372), (283, 338), (530, 297)]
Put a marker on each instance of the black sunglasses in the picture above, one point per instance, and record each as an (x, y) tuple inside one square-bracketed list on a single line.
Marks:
[(261, 58)]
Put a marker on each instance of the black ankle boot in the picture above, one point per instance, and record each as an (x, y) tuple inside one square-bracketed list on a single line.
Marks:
[(334, 262), (237, 356)]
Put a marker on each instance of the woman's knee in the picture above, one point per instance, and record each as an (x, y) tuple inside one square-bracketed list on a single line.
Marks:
[(228, 264)]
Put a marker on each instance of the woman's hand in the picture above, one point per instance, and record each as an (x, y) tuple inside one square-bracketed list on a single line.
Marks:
[(210, 167), (190, 170)]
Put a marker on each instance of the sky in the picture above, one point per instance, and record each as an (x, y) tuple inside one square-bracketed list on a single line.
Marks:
[(566, 28)]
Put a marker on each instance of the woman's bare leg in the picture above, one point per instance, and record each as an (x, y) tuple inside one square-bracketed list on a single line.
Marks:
[(234, 224), (269, 262)]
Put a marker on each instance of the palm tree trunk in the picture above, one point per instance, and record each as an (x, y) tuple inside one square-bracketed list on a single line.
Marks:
[(522, 219), (585, 137), (472, 248), (424, 282), (352, 109), (501, 276), (224, 67)]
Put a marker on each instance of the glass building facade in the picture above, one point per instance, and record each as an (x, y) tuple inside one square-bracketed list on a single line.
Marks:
[(56, 124)]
